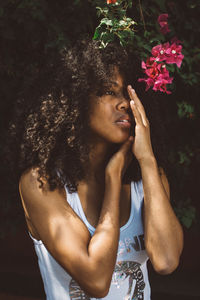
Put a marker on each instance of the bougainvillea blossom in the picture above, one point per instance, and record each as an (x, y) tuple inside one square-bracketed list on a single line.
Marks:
[(157, 76), (173, 55), (161, 85), (158, 52), (163, 22), (111, 1), (162, 79), (150, 68)]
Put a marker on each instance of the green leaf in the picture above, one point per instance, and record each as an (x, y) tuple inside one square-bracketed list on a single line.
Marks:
[(106, 21), (187, 222), (130, 3), (185, 109), (122, 23), (183, 158), (102, 11), (186, 213), (97, 33), (171, 67), (188, 216), (147, 47), (107, 37), (155, 39), (121, 14), (125, 37), (147, 34)]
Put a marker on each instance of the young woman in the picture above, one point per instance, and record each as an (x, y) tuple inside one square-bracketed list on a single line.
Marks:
[(95, 197)]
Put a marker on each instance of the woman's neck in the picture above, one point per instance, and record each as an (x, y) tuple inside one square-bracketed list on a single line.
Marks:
[(99, 157)]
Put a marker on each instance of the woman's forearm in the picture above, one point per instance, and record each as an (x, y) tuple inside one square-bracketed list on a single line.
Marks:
[(102, 249), (163, 232)]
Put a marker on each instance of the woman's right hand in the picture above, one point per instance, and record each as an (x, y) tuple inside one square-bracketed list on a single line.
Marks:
[(119, 162)]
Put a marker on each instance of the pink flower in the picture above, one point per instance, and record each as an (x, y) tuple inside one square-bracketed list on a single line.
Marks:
[(150, 68), (158, 52), (174, 55), (162, 79), (171, 54), (157, 76), (149, 82), (111, 1), (160, 85), (163, 22)]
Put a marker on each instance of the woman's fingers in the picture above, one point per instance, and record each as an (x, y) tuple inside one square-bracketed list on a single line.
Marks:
[(133, 95), (121, 159), (138, 105), (126, 146), (136, 113)]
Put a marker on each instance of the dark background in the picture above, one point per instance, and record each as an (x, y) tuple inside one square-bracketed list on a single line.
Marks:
[(32, 32)]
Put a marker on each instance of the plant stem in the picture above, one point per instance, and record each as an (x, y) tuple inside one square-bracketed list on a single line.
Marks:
[(141, 14)]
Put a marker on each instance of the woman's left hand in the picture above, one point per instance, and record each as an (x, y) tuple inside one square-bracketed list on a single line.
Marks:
[(141, 148)]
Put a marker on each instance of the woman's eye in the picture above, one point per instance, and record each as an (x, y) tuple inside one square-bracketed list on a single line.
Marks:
[(110, 93)]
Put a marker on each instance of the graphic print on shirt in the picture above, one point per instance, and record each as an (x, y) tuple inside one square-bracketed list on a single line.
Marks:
[(132, 270), (136, 244), (75, 291), (124, 270)]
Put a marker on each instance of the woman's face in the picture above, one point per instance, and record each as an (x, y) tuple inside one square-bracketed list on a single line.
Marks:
[(110, 115)]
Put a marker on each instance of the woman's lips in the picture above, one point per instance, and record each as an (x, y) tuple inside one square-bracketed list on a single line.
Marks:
[(123, 123)]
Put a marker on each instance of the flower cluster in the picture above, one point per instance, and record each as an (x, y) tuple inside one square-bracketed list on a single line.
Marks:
[(157, 75), (155, 68), (171, 54)]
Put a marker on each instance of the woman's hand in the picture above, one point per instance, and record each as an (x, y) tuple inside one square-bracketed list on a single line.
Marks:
[(141, 148), (119, 162), (163, 233)]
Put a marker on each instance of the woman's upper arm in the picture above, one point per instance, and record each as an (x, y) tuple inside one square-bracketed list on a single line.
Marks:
[(61, 230)]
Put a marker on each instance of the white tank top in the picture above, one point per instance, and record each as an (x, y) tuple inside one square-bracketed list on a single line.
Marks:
[(130, 277)]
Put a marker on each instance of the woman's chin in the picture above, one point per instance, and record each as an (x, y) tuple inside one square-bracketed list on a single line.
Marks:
[(121, 139)]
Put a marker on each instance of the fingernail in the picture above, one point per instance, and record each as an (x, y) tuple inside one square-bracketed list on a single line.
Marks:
[(133, 91), (132, 102)]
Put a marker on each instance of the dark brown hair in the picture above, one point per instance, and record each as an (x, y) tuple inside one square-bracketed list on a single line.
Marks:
[(50, 130)]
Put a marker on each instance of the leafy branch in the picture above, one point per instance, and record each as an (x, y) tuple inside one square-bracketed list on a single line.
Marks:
[(115, 24)]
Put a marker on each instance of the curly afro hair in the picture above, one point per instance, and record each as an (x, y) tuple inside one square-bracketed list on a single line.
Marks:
[(49, 130)]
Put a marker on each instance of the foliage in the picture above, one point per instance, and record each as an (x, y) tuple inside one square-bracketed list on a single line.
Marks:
[(115, 23), (32, 32), (186, 213)]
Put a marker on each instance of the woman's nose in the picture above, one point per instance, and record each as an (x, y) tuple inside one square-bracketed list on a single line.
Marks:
[(124, 104)]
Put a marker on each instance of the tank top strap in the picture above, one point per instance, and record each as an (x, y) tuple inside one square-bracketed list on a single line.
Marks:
[(137, 195), (75, 203), (69, 196), (136, 205)]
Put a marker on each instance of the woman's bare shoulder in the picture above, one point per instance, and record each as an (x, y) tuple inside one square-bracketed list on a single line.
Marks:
[(29, 178), (31, 185)]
